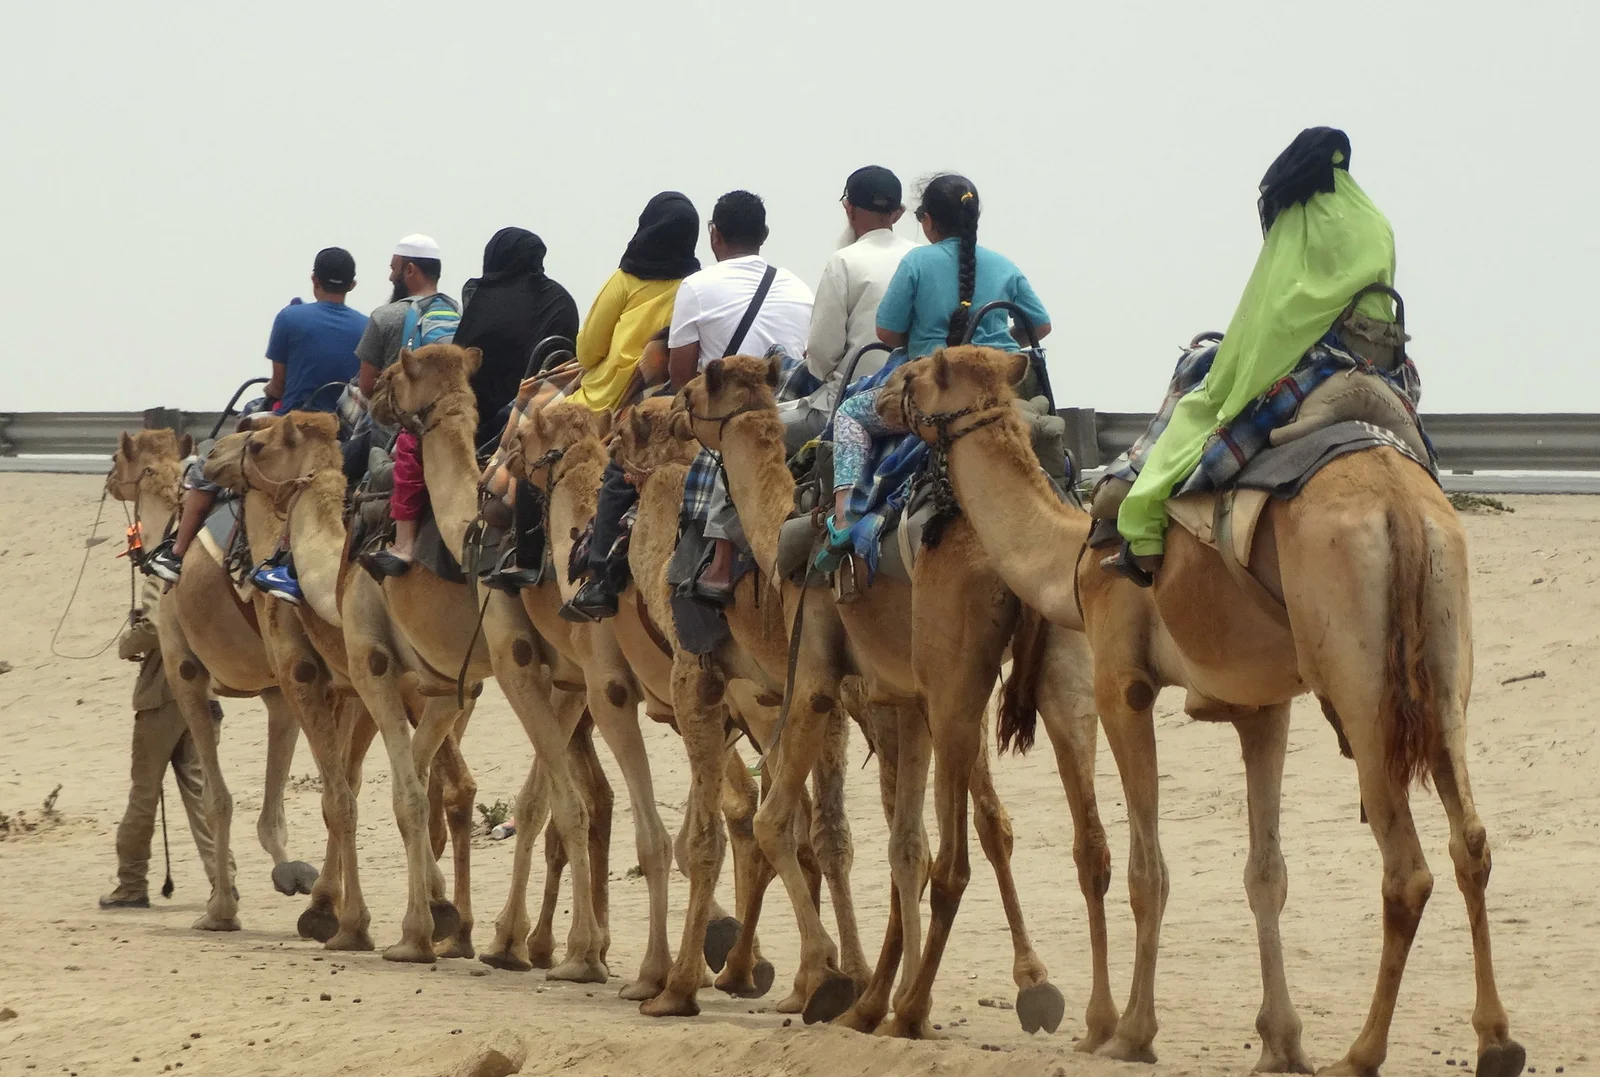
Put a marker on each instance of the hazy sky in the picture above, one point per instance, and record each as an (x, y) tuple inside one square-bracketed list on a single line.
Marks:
[(172, 167)]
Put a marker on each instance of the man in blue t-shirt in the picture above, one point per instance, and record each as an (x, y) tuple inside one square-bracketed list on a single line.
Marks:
[(313, 345)]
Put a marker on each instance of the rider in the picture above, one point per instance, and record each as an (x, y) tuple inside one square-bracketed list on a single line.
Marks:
[(707, 313), (1323, 242), (311, 344), (844, 317), (928, 305)]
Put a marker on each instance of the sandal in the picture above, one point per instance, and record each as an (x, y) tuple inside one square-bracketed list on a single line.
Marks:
[(1141, 570), (835, 550)]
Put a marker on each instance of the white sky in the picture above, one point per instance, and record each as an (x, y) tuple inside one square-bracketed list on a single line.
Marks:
[(171, 168)]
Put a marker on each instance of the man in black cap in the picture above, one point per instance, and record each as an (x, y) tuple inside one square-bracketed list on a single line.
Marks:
[(313, 345), (845, 314)]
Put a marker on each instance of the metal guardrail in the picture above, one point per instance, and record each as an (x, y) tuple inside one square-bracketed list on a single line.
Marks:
[(1563, 441)]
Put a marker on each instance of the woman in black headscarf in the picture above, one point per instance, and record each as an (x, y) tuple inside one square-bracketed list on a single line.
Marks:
[(510, 308)]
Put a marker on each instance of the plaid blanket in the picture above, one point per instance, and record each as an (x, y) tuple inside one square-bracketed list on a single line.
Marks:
[(697, 488), (1235, 445), (796, 382)]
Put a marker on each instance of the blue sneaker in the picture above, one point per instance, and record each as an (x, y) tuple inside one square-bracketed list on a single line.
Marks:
[(277, 581)]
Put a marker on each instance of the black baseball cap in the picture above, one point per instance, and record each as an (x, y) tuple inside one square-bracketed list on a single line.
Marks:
[(334, 268), (873, 188)]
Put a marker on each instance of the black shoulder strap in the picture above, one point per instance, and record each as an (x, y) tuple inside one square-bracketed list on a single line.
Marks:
[(750, 312)]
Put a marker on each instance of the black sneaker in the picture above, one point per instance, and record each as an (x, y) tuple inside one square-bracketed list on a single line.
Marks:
[(382, 564), (593, 602), (161, 562)]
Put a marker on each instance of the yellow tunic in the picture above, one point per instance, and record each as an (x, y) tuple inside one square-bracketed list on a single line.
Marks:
[(626, 314)]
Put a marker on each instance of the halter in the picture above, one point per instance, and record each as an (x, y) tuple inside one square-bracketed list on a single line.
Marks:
[(722, 421), (283, 493), (941, 421)]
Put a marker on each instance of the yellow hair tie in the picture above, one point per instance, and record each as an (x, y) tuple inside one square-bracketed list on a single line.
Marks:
[(966, 303), (969, 196)]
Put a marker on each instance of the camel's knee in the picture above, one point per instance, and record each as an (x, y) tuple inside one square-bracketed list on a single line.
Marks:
[(1093, 857), (774, 834), (1405, 895), (1266, 879)]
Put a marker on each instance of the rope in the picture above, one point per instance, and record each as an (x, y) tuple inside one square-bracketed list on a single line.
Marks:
[(166, 888), (132, 589)]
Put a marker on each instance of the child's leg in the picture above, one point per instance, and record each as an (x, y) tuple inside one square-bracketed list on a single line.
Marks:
[(410, 495), (854, 427)]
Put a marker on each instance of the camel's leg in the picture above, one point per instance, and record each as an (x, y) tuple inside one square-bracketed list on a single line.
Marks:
[(509, 950), (1125, 699), (460, 795), (1039, 1003), (1066, 704), (191, 687), (289, 877), (695, 697), (1264, 741), (542, 939), (601, 802), (733, 948), (908, 839), (357, 730), (439, 715), (872, 1005), (438, 821), (615, 707), (830, 840), (514, 652)]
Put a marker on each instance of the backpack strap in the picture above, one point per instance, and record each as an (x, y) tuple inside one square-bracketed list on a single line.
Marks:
[(408, 331), (751, 311)]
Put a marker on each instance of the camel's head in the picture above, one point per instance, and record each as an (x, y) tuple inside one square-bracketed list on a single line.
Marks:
[(724, 389), (649, 436), (430, 380), (222, 463), (276, 451), (553, 429), (963, 379), (153, 458)]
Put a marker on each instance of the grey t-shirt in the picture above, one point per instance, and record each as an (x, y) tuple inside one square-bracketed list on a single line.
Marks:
[(380, 342)]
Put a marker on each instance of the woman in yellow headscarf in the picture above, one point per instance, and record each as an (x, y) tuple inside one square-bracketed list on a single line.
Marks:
[(1324, 242)]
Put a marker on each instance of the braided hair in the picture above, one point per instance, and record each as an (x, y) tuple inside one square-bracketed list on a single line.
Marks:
[(952, 201)]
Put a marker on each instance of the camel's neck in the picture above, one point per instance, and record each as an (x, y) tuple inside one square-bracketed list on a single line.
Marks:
[(316, 535), (1026, 531), (156, 510), (262, 525), (577, 491), (451, 471), (759, 481)]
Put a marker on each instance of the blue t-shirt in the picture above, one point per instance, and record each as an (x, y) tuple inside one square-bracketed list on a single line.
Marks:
[(316, 343), (924, 293)]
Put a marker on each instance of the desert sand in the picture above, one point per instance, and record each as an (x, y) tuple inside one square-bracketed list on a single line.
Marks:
[(138, 992)]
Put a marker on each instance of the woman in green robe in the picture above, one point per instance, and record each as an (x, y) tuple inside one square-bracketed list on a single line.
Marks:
[(1324, 242)]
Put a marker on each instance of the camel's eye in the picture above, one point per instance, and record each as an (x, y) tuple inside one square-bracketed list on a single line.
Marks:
[(255, 448)]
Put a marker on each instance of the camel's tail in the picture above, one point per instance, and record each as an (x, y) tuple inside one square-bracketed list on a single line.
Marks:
[(1410, 709), (1019, 696)]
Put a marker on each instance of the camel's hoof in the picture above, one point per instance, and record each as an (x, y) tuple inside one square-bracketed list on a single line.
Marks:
[(1502, 1060), (756, 985), (641, 990), (763, 974), (793, 1002), (1345, 1068), (446, 921), (721, 935), (858, 1020), (410, 952), (209, 922), (541, 952), (317, 923), (506, 961), (455, 946), (354, 941), (293, 877), (667, 1004), (1123, 1051), (579, 970), (1040, 1006), (904, 1028), (836, 994)]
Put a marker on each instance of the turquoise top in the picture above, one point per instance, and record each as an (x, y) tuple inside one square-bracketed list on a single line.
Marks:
[(924, 293)]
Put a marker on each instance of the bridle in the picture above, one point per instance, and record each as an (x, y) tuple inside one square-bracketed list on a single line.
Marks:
[(991, 411), (282, 493), (722, 421)]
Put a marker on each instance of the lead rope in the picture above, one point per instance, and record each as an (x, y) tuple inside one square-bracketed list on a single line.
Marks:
[(133, 586)]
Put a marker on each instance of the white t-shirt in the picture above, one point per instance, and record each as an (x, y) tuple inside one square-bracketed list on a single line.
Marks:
[(846, 313), (712, 302)]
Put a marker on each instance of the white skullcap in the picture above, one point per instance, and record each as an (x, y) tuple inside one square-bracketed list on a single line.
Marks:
[(417, 245)]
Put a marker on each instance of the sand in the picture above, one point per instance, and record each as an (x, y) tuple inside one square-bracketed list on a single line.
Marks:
[(138, 992)]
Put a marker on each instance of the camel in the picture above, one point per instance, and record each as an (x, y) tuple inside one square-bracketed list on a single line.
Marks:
[(932, 650), (294, 465), (626, 662), (420, 627), (145, 472), (1369, 550)]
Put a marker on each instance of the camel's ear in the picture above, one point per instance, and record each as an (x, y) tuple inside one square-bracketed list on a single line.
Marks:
[(185, 446), (599, 423), (291, 435), (680, 427), (125, 446), (472, 359), (1017, 368), (409, 364), (639, 424), (541, 426), (714, 372), (774, 371), (941, 370)]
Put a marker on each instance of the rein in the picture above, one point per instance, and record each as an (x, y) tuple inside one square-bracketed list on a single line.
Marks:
[(722, 421)]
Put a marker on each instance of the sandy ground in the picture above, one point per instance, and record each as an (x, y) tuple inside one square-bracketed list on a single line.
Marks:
[(138, 992)]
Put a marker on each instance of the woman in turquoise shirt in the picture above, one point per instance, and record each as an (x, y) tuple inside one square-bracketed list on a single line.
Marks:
[(928, 306)]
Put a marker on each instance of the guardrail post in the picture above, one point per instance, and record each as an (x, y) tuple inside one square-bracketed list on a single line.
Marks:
[(7, 446), (1082, 440), (163, 419)]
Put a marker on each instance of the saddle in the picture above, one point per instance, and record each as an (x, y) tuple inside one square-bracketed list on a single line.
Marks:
[(371, 526)]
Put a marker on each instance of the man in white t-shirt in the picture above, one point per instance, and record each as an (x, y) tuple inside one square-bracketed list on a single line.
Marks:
[(712, 303), (845, 315)]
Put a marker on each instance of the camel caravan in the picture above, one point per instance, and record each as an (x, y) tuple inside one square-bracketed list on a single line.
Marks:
[(774, 557)]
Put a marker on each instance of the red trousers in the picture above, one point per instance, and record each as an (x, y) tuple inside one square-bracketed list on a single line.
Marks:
[(410, 495)]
